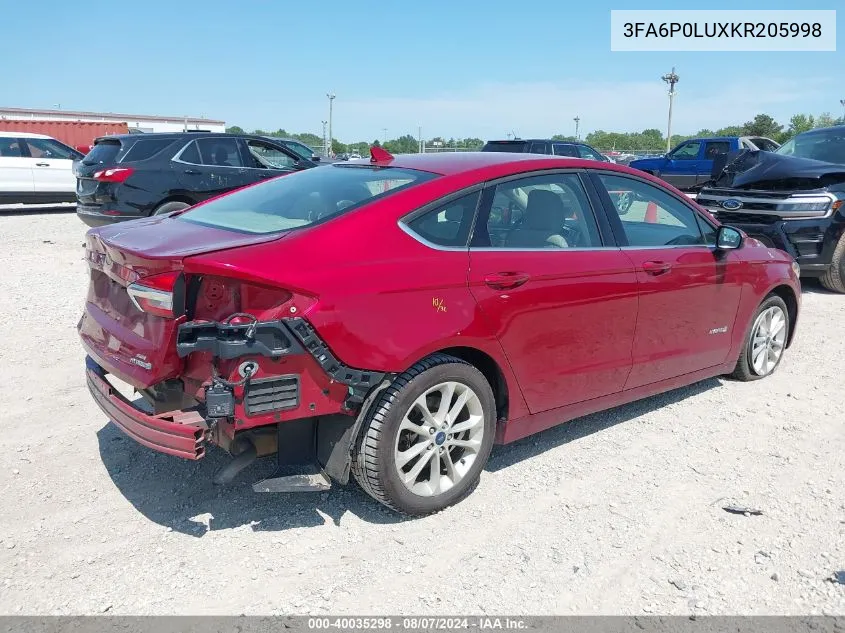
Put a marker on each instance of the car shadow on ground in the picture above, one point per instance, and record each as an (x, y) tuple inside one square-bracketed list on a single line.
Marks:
[(814, 286), (50, 210), (178, 493)]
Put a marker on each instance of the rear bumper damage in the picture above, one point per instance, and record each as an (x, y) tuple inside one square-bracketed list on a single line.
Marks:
[(179, 433), (312, 442)]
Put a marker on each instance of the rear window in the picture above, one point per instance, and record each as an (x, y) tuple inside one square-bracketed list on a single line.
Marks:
[(102, 152), (302, 199), (504, 146), (145, 148)]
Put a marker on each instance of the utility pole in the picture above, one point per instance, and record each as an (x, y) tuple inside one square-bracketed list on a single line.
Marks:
[(842, 103), (325, 141), (384, 129), (671, 79), (577, 120), (331, 97), (419, 138)]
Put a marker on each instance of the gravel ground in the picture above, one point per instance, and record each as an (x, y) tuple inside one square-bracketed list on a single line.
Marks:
[(616, 513)]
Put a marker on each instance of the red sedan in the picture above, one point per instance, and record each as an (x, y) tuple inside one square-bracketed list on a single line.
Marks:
[(393, 319)]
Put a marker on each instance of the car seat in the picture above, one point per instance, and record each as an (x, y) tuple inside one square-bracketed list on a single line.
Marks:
[(545, 216)]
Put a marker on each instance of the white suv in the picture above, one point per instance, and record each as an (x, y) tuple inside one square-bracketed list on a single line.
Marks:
[(35, 170)]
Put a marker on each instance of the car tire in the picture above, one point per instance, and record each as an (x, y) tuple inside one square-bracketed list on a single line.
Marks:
[(834, 277), (763, 340), (170, 207), (403, 405)]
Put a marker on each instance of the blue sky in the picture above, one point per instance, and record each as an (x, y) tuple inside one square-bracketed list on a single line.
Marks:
[(457, 68)]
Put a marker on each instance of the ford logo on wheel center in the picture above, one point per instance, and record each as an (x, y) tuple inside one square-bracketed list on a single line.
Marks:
[(731, 204)]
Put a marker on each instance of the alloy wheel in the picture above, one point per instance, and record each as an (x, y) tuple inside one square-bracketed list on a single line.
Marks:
[(768, 338)]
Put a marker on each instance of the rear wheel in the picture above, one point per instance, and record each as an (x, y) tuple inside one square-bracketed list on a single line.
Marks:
[(834, 277), (170, 207), (763, 349), (425, 443)]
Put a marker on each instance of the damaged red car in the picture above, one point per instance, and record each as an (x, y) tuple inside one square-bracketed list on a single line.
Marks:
[(391, 320)]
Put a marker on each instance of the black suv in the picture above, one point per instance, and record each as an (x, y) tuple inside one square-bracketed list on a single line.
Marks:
[(792, 199), (573, 149), (132, 176)]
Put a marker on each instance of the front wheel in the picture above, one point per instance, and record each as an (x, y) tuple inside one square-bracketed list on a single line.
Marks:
[(425, 443), (170, 207), (763, 349), (834, 277)]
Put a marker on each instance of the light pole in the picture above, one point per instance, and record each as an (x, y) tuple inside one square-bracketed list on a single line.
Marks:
[(331, 97), (842, 103), (577, 120), (325, 142), (419, 138), (384, 129), (671, 79)]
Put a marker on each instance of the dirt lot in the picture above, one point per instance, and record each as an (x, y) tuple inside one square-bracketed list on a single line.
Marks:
[(619, 512)]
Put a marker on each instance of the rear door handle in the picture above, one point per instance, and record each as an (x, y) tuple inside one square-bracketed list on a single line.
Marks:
[(657, 268), (42, 164), (504, 281), (192, 171)]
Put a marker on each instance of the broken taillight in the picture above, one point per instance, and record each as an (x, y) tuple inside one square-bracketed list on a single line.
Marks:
[(114, 174), (162, 295)]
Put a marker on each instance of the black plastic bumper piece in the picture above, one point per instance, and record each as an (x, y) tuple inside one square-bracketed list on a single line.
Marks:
[(227, 341), (358, 379)]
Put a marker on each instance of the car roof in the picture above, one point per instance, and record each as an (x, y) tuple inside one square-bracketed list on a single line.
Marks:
[(449, 163), (7, 134), (536, 140), (822, 130), (177, 135)]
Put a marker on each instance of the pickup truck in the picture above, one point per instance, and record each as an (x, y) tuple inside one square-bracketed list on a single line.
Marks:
[(792, 199), (691, 163)]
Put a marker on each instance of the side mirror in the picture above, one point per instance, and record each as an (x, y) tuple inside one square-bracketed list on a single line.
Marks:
[(728, 238), (315, 158)]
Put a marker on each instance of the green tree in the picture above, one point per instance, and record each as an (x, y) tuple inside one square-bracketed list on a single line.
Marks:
[(235, 130), (562, 137), (763, 125), (825, 120), (731, 130), (800, 123)]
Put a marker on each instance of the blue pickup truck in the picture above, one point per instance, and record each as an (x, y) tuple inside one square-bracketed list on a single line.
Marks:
[(690, 163)]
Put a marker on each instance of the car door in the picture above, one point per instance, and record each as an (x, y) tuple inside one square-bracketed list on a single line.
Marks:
[(266, 160), (16, 184), (588, 153), (688, 291), (682, 165), (52, 165), (712, 149), (558, 292), (212, 165)]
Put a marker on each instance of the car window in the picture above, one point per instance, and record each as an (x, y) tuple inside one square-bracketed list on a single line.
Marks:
[(565, 149), (10, 148), (303, 198), (219, 152), (764, 144), (538, 147), (268, 157), (48, 148), (713, 148), (826, 145), (504, 146), (146, 148), (548, 211), (687, 151), (588, 153), (302, 150), (103, 152), (190, 154), (650, 216), (449, 224), (708, 231)]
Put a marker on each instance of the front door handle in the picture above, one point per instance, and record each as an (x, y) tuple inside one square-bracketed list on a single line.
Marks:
[(42, 164), (657, 267), (505, 281)]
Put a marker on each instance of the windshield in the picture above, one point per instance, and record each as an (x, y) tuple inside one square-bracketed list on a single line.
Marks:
[(303, 198), (827, 145)]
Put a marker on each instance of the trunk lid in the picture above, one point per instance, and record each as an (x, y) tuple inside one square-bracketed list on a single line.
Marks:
[(138, 347)]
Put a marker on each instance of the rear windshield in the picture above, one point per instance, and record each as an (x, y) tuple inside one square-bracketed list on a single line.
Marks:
[(102, 152), (827, 145), (304, 198), (504, 146)]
